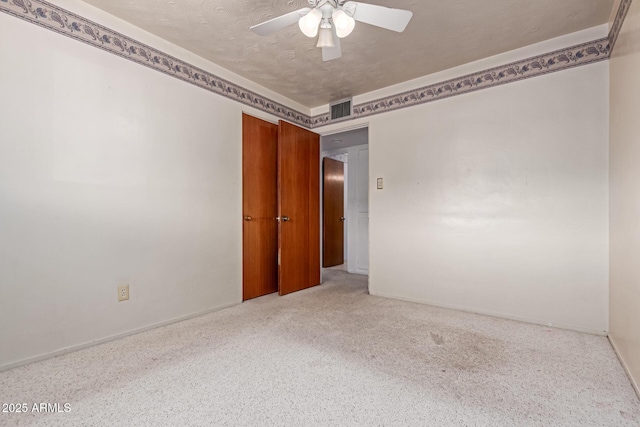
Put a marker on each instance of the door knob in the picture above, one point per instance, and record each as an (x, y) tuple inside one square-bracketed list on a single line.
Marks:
[(247, 218), (285, 218), (342, 218)]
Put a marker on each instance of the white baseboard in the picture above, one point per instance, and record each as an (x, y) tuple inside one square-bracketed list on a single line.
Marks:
[(635, 385), (110, 338), (494, 314)]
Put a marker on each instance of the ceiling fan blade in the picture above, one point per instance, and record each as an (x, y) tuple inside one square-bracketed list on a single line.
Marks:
[(380, 16), (331, 53), (280, 22)]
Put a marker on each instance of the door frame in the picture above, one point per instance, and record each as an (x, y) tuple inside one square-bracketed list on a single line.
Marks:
[(351, 213)]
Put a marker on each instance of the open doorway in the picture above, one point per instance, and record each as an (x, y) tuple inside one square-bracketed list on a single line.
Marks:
[(348, 154)]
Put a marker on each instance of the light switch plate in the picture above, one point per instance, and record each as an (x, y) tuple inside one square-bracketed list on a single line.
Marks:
[(380, 184)]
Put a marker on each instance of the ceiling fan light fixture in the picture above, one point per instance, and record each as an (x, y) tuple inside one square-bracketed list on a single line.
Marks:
[(326, 38), (332, 20), (310, 22), (343, 22)]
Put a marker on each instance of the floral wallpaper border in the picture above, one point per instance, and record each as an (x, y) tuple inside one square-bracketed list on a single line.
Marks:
[(623, 9), (583, 54), (575, 56), (63, 22)]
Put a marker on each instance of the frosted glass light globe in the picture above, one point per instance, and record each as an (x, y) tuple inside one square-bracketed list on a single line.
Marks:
[(309, 23), (343, 22)]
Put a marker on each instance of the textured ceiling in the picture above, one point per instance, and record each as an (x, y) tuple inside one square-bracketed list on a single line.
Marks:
[(441, 35), (350, 138)]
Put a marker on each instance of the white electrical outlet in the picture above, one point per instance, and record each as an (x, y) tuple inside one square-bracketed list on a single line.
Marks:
[(123, 293)]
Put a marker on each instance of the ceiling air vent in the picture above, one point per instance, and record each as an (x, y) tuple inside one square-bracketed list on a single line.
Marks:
[(341, 110)]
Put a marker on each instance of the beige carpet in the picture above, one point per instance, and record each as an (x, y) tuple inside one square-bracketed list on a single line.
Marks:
[(333, 355), (341, 267)]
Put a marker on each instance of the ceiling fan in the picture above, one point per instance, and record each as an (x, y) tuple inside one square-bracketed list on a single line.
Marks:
[(332, 20)]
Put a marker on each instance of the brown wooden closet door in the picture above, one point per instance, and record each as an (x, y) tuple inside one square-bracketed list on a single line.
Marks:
[(259, 207), (333, 213), (299, 208)]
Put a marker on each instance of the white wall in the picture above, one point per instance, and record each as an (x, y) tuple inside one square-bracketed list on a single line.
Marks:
[(625, 195), (497, 201), (110, 174)]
